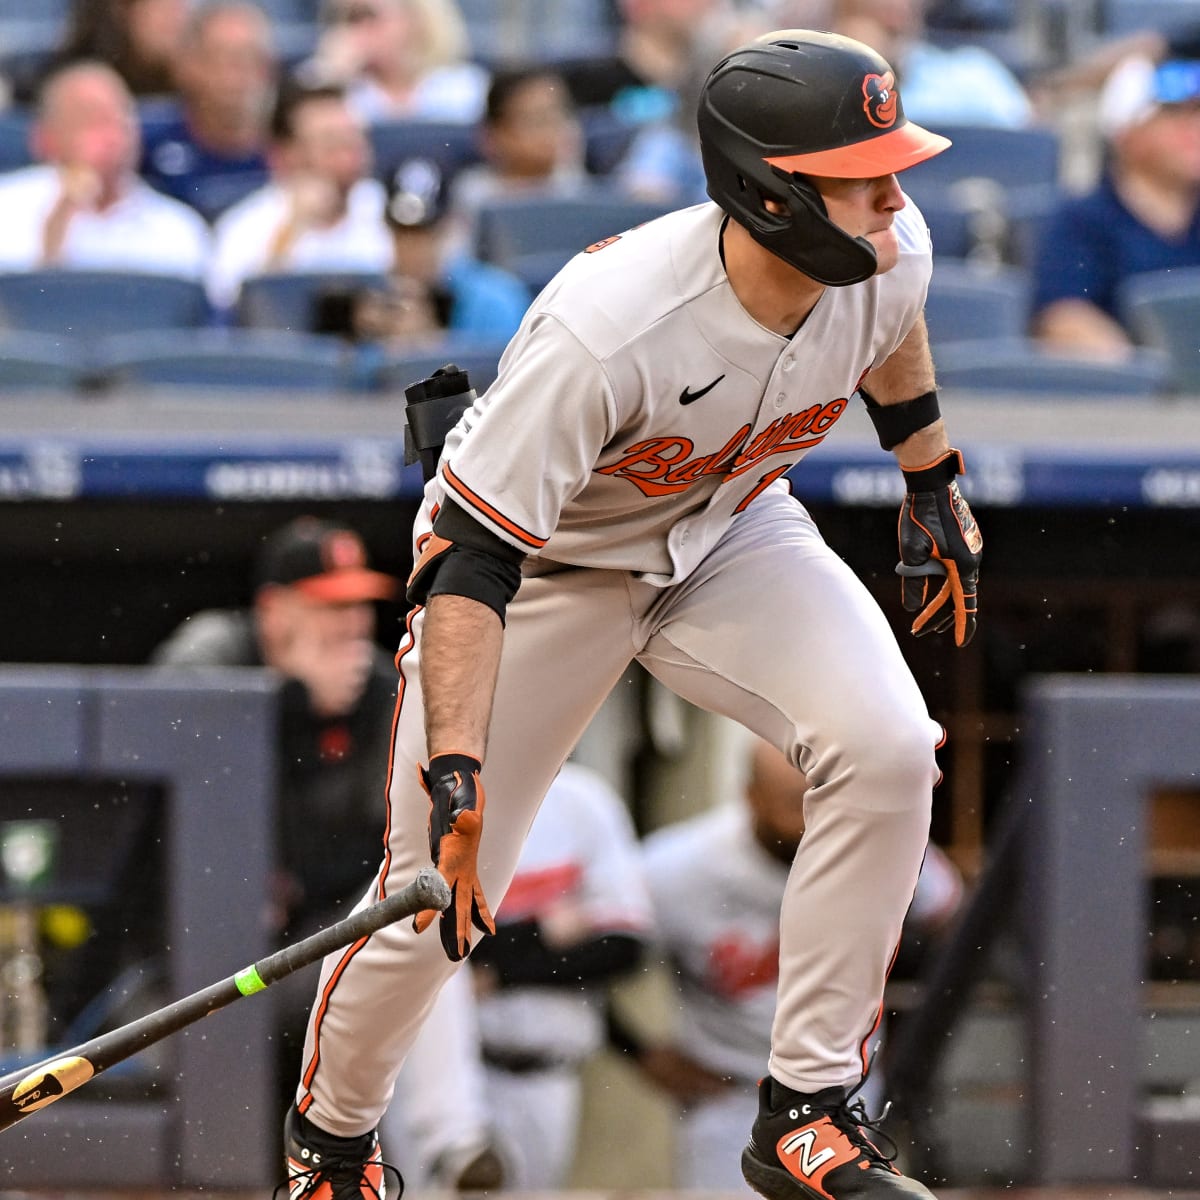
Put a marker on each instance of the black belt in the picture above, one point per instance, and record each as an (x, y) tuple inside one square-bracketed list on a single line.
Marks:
[(523, 1062)]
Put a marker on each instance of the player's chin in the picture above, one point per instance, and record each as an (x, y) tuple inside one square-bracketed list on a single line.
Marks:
[(887, 249)]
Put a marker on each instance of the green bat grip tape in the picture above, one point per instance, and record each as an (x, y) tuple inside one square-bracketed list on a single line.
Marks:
[(248, 981)]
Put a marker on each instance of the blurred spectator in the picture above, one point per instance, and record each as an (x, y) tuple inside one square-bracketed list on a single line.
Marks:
[(1143, 215), (574, 918), (531, 145), (398, 59), (83, 205), (654, 50), (214, 151), (322, 210), (139, 39), (434, 289), (961, 84), (662, 162), (717, 881), (312, 620)]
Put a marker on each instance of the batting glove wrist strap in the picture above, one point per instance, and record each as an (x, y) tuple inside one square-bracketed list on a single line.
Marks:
[(456, 802), (936, 474)]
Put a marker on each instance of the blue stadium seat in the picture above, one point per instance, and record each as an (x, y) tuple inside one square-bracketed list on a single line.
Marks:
[(450, 144), (1162, 309), (38, 360), (14, 140), (533, 238), (981, 218), (539, 30), (968, 302), (1020, 365), (1120, 17), (606, 137), (98, 303), (291, 300), (1013, 158), (248, 360), (400, 370)]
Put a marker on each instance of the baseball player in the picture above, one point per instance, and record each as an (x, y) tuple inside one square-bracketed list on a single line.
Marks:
[(626, 472), (718, 880)]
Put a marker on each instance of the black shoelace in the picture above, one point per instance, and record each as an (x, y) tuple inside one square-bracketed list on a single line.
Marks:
[(346, 1177), (851, 1117)]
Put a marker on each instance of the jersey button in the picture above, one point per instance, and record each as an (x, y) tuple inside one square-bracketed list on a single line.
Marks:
[(789, 363), (779, 400)]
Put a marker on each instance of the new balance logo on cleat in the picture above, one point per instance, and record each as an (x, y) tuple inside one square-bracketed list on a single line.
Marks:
[(799, 1153), (815, 1147)]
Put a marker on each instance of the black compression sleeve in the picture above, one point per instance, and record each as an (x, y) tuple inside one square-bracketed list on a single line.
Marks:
[(518, 956), (462, 558)]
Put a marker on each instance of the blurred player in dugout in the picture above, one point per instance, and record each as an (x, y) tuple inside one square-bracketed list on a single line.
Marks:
[(312, 620)]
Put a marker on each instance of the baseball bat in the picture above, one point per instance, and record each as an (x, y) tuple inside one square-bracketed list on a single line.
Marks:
[(30, 1089)]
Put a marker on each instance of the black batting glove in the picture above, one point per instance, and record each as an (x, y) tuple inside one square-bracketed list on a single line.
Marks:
[(455, 825), (940, 549)]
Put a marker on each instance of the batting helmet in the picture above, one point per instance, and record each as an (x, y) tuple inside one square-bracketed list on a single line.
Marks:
[(795, 103)]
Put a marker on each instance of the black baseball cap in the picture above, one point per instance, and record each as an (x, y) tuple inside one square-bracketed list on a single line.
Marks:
[(416, 194), (325, 562)]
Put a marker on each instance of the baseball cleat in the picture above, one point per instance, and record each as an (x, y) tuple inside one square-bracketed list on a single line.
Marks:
[(815, 1147), (323, 1167)]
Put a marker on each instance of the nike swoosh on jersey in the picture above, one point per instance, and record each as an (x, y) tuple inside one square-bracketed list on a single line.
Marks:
[(687, 396)]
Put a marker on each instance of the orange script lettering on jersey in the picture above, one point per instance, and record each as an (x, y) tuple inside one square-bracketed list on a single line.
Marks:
[(663, 465)]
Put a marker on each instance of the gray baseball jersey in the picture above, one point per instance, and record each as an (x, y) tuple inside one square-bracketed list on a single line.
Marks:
[(639, 406)]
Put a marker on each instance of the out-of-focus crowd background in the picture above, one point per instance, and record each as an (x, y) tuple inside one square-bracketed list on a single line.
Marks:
[(231, 233)]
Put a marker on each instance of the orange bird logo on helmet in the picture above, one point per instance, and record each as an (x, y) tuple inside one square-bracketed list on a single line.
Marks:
[(880, 100)]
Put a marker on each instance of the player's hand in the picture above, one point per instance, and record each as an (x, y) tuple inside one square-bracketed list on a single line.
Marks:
[(79, 186), (680, 1075), (334, 670), (940, 550), (455, 824)]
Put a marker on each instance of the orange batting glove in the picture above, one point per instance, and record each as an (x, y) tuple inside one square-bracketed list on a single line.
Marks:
[(455, 825)]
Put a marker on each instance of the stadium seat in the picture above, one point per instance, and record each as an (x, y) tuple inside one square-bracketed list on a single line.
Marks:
[(1121, 17), (533, 238), (98, 303), (399, 371), (14, 140), (291, 300), (249, 360), (450, 144), (33, 360), (539, 30), (606, 138), (968, 302), (1013, 158), (1020, 365), (1162, 309)]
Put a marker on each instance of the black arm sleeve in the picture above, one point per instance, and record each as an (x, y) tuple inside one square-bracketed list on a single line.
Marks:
[(457, 525), (519, 957), (462, 558)]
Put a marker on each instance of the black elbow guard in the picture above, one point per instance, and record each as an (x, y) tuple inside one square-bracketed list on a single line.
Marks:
[(461, 558)]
